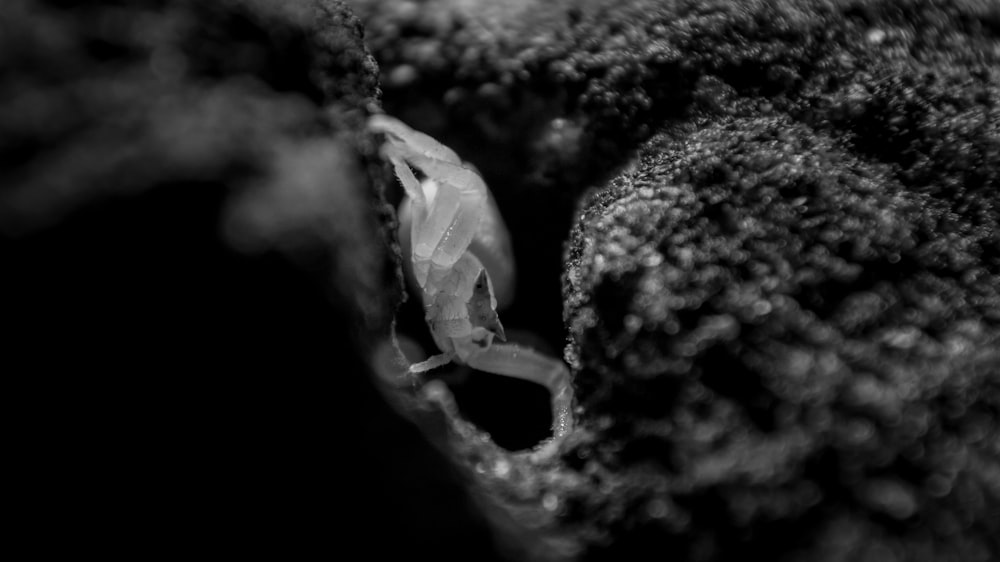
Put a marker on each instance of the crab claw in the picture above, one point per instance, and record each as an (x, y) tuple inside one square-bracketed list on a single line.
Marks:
[(483, 306), (498, 330)]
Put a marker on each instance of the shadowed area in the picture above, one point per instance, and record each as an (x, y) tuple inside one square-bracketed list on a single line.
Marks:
[(196, 275)]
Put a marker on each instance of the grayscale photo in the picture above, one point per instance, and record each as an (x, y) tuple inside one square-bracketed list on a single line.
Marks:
[(502, 280)]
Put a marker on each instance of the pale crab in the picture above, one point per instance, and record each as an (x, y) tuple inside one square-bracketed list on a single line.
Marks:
[(460, 258)]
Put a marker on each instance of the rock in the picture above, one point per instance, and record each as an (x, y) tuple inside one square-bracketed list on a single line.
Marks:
[(197, 273), (769, 320), (781, 283)]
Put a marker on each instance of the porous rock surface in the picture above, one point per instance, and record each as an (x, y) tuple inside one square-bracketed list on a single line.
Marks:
[(781, 284)]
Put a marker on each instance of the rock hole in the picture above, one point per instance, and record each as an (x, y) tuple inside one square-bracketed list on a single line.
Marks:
[(517, 414)]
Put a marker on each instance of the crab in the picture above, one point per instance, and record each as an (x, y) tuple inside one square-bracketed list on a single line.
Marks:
[(460, 259)]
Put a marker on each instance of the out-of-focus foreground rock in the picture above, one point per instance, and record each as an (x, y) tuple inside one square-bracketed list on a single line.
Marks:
[(197, 269), (782, 285)]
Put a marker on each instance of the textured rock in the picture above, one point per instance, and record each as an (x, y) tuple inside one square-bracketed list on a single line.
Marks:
[(784, 311), (773, 323)]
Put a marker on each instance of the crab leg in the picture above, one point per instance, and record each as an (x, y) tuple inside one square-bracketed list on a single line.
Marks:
[(409, 137), (431, 363), (490, 241), (527, 364), (454, 213), (447, 212)]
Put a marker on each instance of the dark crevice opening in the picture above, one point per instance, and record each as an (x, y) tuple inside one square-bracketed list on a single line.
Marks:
[(517, 414)]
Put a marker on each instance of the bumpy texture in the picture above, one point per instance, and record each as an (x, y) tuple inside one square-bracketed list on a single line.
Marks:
[(779, 327), (784, 311)]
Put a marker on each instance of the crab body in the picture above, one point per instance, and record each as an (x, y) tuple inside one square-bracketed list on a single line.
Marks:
[(458, 247)]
